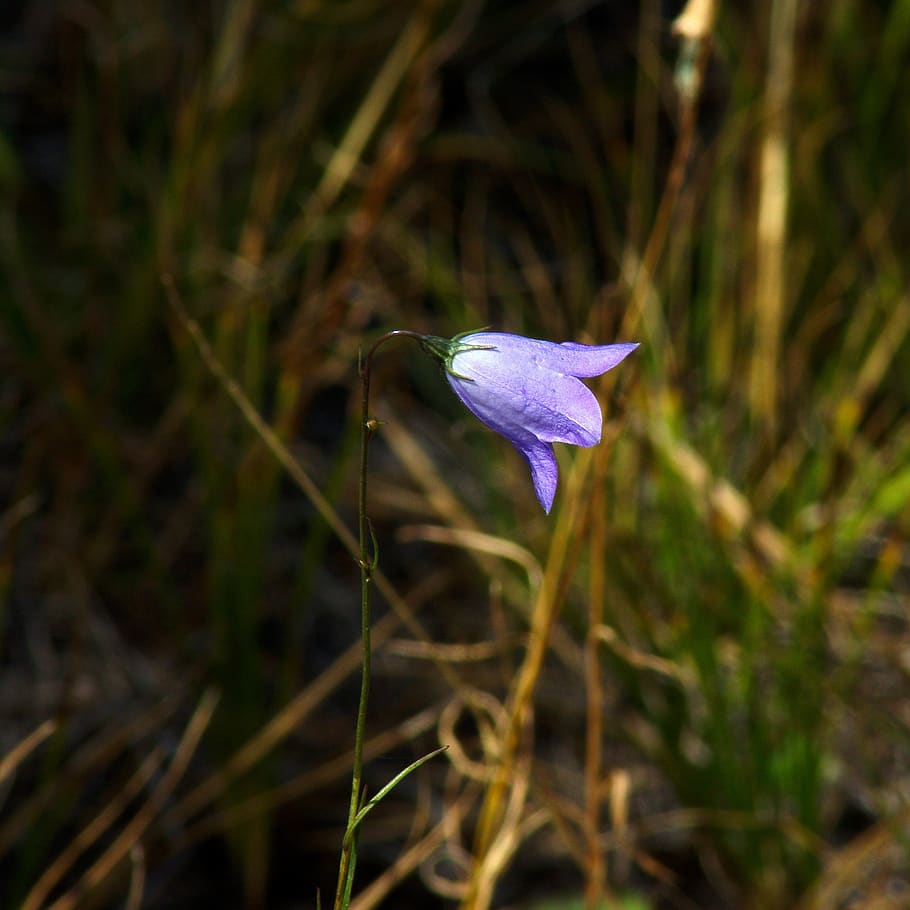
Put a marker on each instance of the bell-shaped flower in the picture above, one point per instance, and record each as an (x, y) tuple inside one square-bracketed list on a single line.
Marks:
[(529, 391)]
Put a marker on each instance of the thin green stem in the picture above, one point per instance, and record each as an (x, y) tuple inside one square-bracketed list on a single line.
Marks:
[(367, 563)]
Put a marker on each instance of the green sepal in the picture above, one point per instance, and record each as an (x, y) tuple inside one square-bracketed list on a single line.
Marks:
[(445, 349)]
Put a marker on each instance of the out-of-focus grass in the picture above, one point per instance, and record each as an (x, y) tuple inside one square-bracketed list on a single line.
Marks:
[(711, 704)]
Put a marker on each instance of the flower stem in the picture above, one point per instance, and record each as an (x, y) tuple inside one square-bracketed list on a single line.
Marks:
[(367, 563)]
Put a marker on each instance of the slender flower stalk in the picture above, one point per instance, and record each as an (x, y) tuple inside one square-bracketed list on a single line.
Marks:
[(367, 563)]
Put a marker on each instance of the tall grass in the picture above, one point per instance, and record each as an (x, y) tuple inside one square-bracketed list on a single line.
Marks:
[(686, 686)]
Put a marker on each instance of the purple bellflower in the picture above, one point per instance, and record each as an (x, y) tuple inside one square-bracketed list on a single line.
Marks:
[(529, 391)]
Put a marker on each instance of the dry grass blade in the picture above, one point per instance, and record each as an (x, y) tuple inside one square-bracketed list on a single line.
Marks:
[(416, 856), (595, 866), (292, 715), (847, 869), (882, 353), (18, 512), (458, 654), (494, 839), (412, 454), (515, 825), (608, 636), (261, 428), (489, 718), (640, 272), (137, 878), (364, 122), (91, 758), (22, 750), (296, 471), (129, 837), (719, 494), (476, 540), (771, 227), (91, 833)]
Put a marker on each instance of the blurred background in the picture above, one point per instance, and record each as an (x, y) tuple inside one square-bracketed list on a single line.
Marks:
[(207, 210)]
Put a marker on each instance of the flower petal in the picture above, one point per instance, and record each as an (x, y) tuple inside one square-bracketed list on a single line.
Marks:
[(568, 358), (514, 396), (539, 454), (544, 471)]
